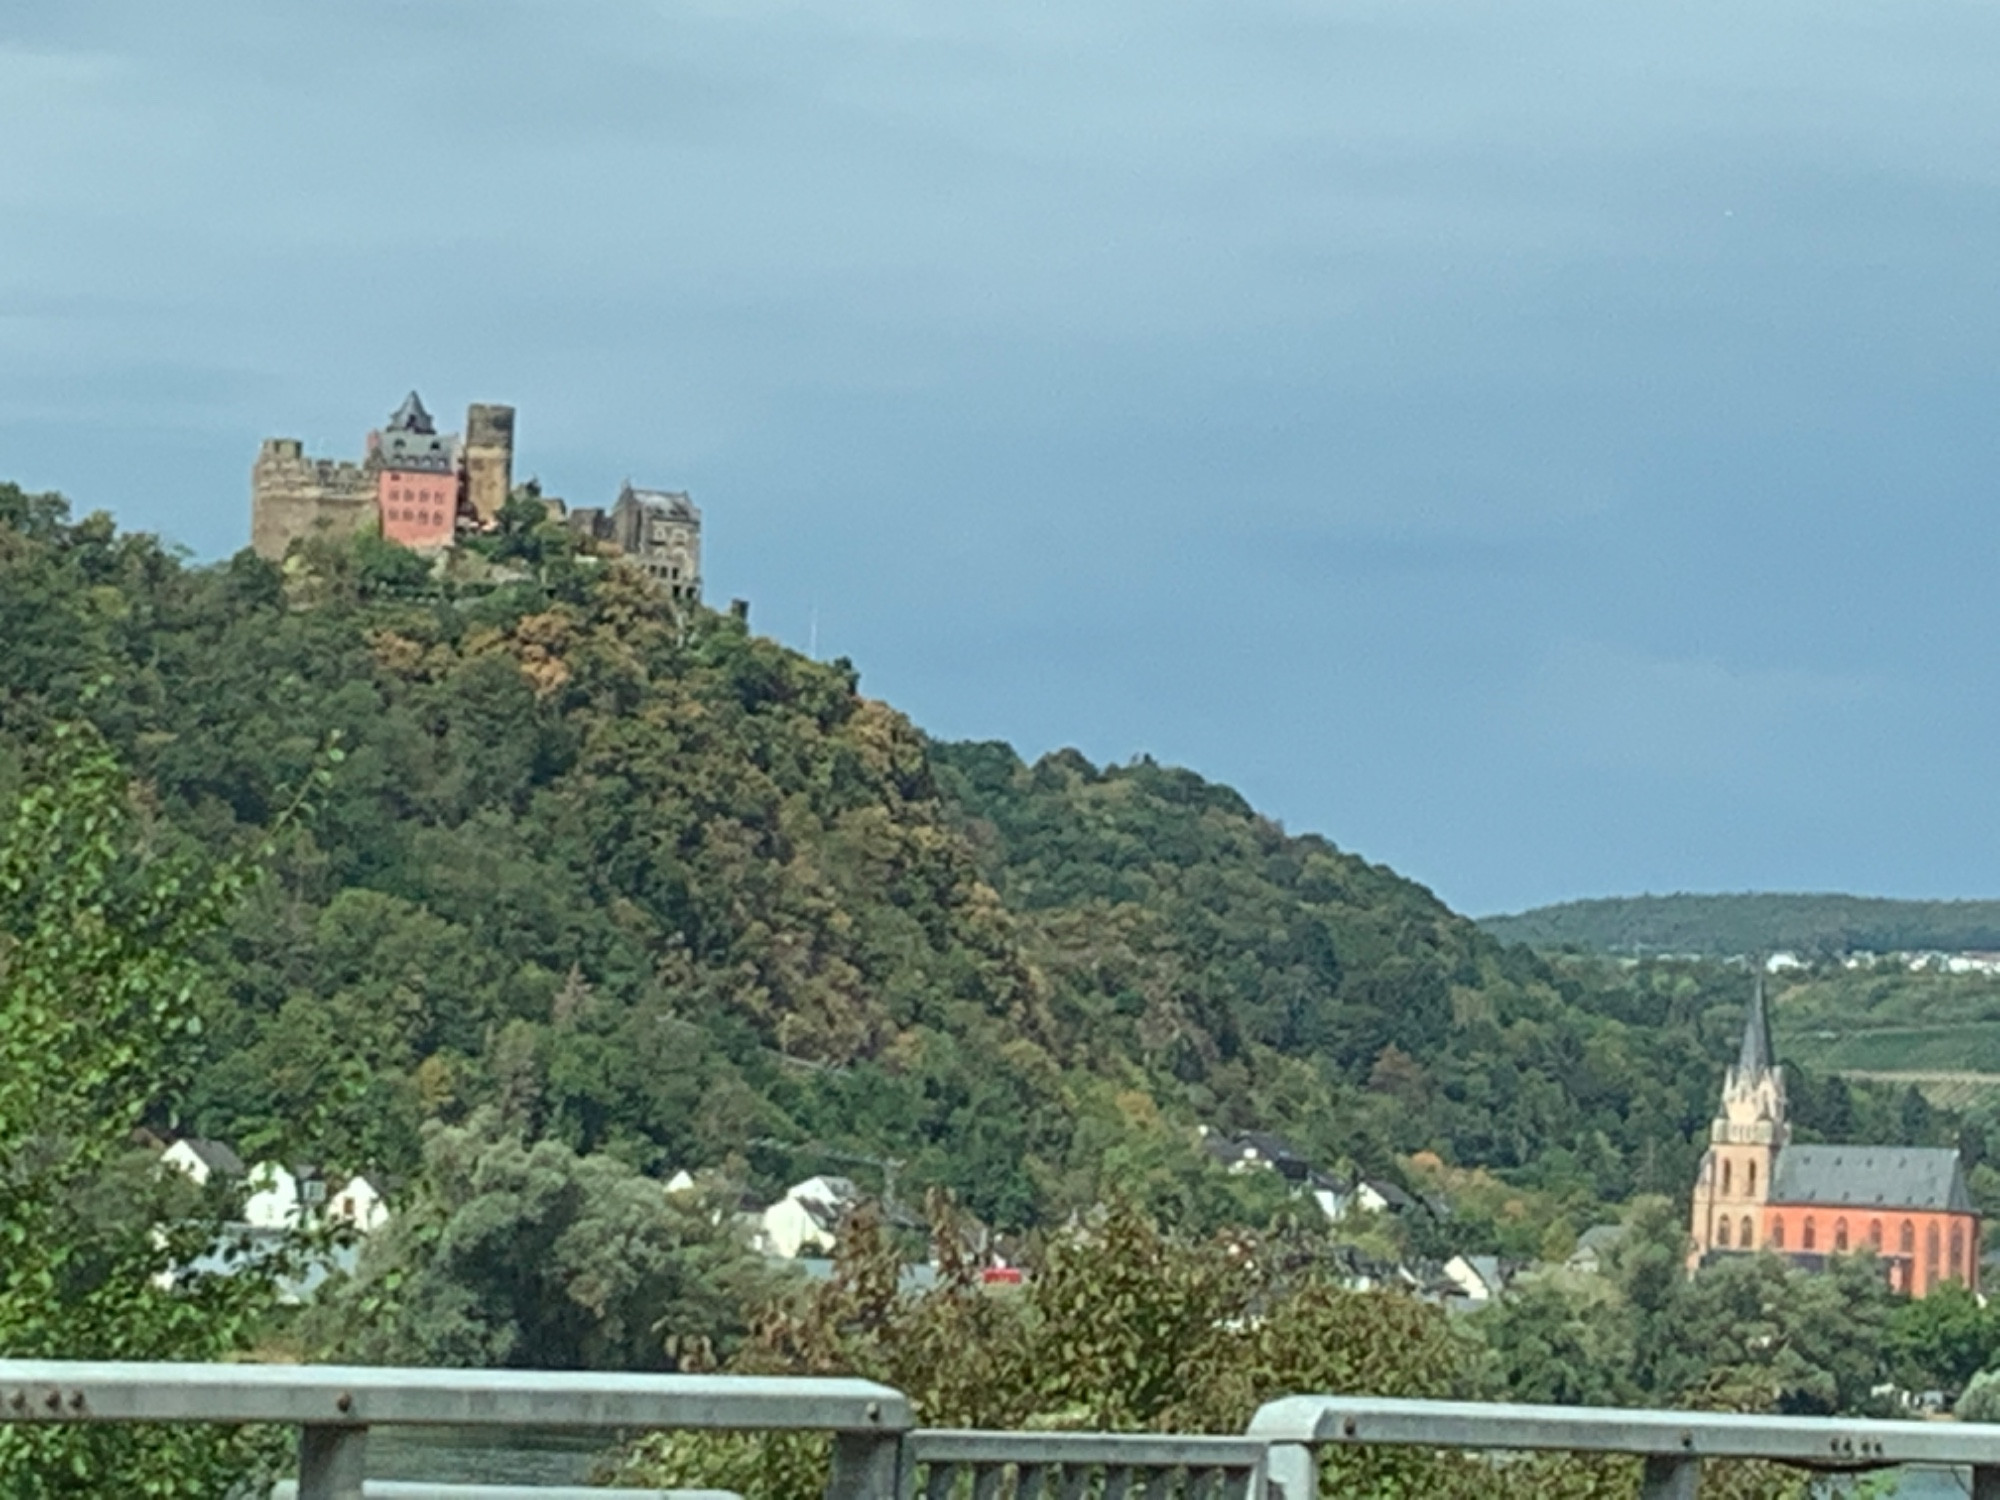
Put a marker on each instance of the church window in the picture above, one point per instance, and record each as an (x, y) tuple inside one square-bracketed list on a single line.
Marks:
[(1811, 1237), (1725, 1179), (1907, 1241), (1875, 1233), (1930, 1254), (1840, 1234), (1957, 1249), (1722, 1232), (1777, 1232), (1747, 1238)]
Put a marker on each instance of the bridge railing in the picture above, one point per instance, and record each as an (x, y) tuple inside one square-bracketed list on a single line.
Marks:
[(335, 1406), (880, 1454), (952, 1464), (1672, 1444)]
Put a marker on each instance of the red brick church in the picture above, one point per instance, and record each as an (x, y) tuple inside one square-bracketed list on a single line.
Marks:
[(1758, 1191)]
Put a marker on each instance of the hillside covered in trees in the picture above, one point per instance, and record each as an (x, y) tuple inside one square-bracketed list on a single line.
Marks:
[(1721, 926), (650, 886)]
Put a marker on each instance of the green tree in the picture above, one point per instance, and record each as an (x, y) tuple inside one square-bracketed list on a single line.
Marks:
[(97, 1011), (1942, 1340), (526, 1254)]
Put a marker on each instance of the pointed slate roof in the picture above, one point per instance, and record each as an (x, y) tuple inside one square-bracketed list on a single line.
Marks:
[(411, 441), (1756, 1054), (411, 417)]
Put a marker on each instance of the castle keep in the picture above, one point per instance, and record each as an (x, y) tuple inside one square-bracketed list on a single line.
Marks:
[(425, 490)]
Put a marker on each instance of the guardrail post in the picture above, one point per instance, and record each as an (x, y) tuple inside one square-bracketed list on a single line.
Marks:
[(867, 1466), (1986, 1482), (1291, 1471), (331, 1462), (1669, 1476)]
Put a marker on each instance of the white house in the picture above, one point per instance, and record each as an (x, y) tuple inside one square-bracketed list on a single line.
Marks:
[(1377, 1196), (807, 1217), (1333, 1196), (200, 1160), (1478, 1278), (274, 1201), (359, 1203)]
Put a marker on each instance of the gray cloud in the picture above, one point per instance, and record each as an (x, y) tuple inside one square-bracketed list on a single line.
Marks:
[(1286, 387)]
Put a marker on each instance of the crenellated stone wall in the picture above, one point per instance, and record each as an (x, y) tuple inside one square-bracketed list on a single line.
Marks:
[(293, 496)]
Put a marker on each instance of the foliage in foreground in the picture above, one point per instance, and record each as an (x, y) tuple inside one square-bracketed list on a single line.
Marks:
[(1125, 1328), (519, 1253), (97, 1015)]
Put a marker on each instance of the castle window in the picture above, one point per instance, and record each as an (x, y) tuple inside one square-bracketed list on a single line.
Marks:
[(1811, 1237), (1747, 1238), (1875, 1234), (1839, 1234), (1750, 1187), (1777, 1232), (1725, 1179), (1957, 1249), (1722, 1232)]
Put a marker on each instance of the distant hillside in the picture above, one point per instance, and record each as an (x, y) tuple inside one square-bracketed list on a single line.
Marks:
[(645, 884), (1752, 922)]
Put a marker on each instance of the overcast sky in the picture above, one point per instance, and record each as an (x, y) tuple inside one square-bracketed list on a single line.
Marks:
[(1547, 447)]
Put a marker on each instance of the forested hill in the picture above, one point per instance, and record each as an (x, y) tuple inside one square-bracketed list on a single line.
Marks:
[(1724, 925), (656, 886)]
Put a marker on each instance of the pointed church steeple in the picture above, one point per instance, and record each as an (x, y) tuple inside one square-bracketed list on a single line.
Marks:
[(1755, 1056), (1753, 1092)]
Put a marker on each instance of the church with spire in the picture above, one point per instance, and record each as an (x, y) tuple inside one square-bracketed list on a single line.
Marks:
[(1757, 1191)]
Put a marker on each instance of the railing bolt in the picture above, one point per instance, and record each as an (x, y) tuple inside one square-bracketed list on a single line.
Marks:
[(1687, 1440), (53, 1401), (18, 1400), (874, 1411), (76, 1400), (1349, 1427), (343, 1402)]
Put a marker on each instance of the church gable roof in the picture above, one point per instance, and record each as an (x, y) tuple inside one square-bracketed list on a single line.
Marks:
[(1920, 1177)]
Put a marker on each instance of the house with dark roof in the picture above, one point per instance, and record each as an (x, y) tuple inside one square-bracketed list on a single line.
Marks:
[(1757, 1191), (201, 1160)]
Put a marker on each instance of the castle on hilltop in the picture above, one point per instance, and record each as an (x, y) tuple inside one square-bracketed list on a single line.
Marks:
[(427, 490), (1756, 1191)]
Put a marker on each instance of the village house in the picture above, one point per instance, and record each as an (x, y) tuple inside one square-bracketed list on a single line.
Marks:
[(808, 1217), (202, 1161), (1592, 1255)]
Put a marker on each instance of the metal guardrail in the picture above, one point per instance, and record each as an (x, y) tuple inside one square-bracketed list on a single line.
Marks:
[(333, 1406), (393, 1489), (878, 1454), (1673, 1444), (939, 1463)]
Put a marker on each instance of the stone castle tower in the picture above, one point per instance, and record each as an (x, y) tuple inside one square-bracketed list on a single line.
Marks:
[(489, 458), (1745, 1137)]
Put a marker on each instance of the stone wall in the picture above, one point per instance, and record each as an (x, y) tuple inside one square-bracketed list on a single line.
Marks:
[(293, 496)]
